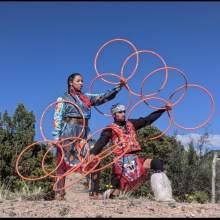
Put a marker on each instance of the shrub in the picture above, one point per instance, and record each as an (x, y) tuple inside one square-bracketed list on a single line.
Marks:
[(198, 196)]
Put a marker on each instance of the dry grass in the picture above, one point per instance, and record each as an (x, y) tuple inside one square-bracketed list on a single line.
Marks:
[(124, 195), (24, 194)]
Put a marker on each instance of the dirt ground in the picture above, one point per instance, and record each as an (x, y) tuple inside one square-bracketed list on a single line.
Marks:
[(77, 204)]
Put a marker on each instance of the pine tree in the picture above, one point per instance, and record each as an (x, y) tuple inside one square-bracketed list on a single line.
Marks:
[(16, 133)]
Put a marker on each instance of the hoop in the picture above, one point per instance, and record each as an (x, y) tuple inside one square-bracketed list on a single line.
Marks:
[(53, 103), (209, 116), (27, 148), (144, 51), (154, 72), (103, 46), (91, 86), (169, 115)]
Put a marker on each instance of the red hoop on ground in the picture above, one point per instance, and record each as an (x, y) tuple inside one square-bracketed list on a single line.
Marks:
[(103, 46)]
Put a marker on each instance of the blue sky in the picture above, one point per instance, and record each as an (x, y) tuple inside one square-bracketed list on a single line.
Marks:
[(41, 43)]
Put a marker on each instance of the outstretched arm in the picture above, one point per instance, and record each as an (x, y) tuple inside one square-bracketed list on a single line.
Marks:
[(102, 141), (99, 99), (148, 120)]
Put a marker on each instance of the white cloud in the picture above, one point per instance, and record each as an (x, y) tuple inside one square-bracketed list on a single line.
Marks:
[(212, 142)]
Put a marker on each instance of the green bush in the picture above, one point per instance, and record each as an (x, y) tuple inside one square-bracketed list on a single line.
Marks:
[(16, 133), (105, 176), (199, 196)]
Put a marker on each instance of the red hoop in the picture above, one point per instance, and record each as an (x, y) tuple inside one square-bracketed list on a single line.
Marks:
[(144, 51), (27, 148), (54, 103), (77, 180), (102, 157), (212, 108), (105, 74), (154, 72), (110, 149), (68, 172), (168, 112), (104, 45)]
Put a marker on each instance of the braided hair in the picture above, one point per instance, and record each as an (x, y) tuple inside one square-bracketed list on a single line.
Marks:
[(71, 78)]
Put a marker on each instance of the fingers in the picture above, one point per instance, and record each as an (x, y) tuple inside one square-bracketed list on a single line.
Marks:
[(122, 82), (168, 106)]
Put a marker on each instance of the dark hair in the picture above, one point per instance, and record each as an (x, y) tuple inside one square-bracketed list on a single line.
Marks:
[(157, 165), (71, 78)]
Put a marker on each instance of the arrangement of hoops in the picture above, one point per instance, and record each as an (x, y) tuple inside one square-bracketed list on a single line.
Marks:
[(88, 165)]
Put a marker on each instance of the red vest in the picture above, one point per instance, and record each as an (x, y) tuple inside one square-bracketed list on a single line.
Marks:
[(119, 134)]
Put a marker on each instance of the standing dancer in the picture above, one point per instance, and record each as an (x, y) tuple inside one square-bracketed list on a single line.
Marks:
[(68, 122)]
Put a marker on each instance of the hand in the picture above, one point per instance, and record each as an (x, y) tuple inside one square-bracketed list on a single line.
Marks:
[(168, 106), (82, 143), (91, 157), (147, 164), (122, 82)]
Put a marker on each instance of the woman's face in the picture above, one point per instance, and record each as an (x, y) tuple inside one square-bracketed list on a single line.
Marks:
[(77, 83)]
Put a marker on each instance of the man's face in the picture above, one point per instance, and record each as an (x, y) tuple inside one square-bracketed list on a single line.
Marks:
[(120, 116), (77, 83)]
